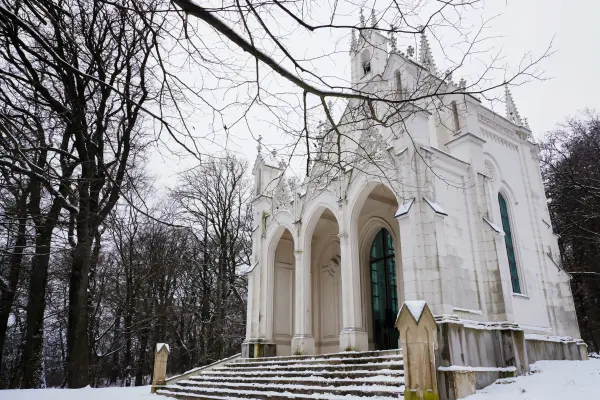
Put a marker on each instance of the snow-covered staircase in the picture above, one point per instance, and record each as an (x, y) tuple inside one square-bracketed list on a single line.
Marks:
[(374, 374)]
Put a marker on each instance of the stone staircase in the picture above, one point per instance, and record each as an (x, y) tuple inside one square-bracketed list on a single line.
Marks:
[(376, 375)]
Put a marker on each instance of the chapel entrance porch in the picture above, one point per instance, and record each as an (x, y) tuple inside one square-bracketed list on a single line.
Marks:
[(333, 285)]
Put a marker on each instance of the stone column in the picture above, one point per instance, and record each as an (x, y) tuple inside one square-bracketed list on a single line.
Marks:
[(353, 335), (159, 375), (418, 335), (303, 341)]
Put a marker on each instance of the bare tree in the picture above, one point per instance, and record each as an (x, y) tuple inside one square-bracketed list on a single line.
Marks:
[(570, 158), (215, 202)]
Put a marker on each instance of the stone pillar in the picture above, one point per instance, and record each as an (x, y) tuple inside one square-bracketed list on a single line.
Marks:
[(303, 341), (583, 350), (159, 375), (418, 335), (353, 336)]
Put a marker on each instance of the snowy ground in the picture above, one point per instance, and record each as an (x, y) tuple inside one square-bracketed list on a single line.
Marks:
[(552, 380), (116, 393)]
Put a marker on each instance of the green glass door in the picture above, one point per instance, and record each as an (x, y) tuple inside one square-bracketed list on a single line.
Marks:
[(384, 296)]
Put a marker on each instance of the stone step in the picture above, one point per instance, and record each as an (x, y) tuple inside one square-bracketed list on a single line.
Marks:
[(374, 375), (274, 390), (293, 387), (359, 373), (317, 360), (312, 367), (312, 380), (345, 354)]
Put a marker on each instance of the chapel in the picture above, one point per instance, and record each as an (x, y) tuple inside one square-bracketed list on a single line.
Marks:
[(424, 195)]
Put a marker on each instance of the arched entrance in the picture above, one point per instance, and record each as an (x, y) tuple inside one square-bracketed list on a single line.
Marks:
[(384, 294), (379, 253)]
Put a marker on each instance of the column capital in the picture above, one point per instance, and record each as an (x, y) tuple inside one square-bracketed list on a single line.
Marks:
[(343, 236), (298, 252)]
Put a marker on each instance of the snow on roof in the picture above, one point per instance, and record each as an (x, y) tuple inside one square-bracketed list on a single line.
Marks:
[(436, 207), (159, 346), (415, 307), (404, 208), (495, 227)]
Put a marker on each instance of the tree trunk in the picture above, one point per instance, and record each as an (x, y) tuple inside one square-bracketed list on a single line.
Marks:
[(77, 333), (36, 304), (16, 258)]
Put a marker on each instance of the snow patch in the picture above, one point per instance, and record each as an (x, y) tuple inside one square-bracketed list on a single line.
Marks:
[(555, 380), (435, 206), (495, 227), (159, 346), (404, 208), (415, 307), (459, 368), (548, 338)]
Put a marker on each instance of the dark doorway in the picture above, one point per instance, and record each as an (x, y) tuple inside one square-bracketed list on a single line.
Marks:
[(384, 295)]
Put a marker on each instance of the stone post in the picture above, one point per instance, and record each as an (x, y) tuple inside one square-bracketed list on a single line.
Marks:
[(159, 376), (418, 335)]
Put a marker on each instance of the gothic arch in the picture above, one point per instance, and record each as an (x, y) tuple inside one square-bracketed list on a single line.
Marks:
[(313, 211), (360, 190), (368, 233), (509, 197), (282, 220)]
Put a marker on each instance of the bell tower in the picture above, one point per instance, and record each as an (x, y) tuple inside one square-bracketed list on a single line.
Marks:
[(368, 52)]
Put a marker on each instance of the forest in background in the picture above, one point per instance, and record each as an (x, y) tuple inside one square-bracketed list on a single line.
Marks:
[(150, 280)]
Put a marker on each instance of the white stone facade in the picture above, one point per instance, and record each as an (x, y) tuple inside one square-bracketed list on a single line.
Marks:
[(432, 180)]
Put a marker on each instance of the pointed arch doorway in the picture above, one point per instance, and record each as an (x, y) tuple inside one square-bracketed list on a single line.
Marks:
[(384, 294)]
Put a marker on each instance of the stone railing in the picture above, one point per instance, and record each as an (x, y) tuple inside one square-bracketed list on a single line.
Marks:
[(447, 358)]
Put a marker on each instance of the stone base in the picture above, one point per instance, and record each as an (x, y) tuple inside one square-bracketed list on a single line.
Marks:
[(258, 348), (303, 345), (352, 339)]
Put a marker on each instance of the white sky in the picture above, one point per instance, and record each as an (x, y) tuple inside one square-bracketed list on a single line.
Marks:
[(521, 26)]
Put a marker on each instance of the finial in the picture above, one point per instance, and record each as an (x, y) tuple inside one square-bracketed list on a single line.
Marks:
[(353, 44), (362, 18), (274, 153), (393, 39), (425, 55), (373, 19), (526, 123), (448, 75), (511, 109), (259, 146), (329, 105), (462, 84), (410, 51)]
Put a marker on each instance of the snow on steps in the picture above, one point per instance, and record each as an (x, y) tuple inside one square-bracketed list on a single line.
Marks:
[(374, 375)]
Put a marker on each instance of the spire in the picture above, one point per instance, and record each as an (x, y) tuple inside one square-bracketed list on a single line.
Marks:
[(393, 41), (362, 18), (373, 19), (425, 55), (511, 109), (353, 43), (259, 146)]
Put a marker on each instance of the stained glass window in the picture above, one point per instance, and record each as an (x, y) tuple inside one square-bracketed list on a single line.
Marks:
[(384, 295), (510, 249)]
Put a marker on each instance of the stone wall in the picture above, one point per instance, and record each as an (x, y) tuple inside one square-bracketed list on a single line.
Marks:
[(472, 355)]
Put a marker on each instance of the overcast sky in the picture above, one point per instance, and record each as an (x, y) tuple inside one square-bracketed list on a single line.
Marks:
[(520, 27)]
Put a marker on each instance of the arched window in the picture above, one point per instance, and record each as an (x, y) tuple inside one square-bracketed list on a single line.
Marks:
[(398, 85), (510, 249), (384, 295), (365, 59)]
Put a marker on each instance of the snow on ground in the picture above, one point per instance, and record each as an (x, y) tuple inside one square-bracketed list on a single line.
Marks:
[(551, 380), (112, 393)]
